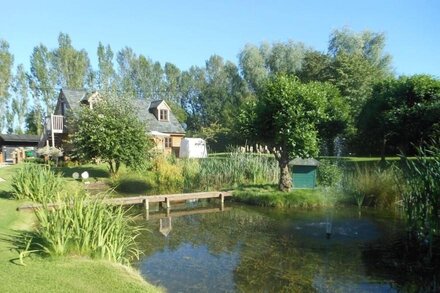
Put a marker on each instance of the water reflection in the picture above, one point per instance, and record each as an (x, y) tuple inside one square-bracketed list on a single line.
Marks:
[(253, 250)]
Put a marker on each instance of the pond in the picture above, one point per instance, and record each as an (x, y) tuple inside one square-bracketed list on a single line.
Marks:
[(248, 249)]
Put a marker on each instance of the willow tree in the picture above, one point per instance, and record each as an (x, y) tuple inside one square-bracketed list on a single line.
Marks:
[(285, 118)]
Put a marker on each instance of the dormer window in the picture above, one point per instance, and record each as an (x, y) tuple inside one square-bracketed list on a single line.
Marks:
[(163, 115)]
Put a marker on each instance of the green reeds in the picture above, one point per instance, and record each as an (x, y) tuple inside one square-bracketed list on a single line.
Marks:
[(88, 227), (421, 198), (36, 182), (237, 169), (373, 187)]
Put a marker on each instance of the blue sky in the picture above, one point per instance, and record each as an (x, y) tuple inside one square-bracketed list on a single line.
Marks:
[(187, 32)]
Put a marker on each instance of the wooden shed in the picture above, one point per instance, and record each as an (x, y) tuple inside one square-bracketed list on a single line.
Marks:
[(304, 172), (9, 142)]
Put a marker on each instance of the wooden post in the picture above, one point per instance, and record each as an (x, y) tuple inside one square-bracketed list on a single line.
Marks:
[(167, 202), (51, 130), (222, 202), (146, 209)]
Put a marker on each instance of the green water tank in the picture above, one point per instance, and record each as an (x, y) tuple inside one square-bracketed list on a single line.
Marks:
[(304, 172)]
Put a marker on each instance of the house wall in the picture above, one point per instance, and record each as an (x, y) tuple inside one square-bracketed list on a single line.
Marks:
[(176, 140), (175, 144)]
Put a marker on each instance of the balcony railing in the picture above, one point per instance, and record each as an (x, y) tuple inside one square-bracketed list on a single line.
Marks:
[(55, 123)]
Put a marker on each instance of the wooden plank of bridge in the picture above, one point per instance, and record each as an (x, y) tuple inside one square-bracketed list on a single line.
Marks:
[(146, 200)]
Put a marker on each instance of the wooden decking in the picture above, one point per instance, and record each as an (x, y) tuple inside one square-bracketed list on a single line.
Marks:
[(145, 200)]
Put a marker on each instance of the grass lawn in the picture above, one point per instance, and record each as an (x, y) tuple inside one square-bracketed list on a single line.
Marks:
[(71, 274)]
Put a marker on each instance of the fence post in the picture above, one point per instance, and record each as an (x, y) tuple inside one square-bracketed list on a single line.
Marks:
[(146, 208)]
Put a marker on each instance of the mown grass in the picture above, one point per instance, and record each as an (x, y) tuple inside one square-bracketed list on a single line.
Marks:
[(269, 196), (63, 274)]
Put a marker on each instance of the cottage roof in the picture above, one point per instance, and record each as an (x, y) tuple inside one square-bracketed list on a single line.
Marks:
[(19, 138), (304, 162), (74, 97), (155, 104), (145, 115)]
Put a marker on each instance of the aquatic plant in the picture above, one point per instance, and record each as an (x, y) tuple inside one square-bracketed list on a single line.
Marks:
[(84, 226), (237, 168), (373, 186), (36, 182), (269, 196), (421, 198)]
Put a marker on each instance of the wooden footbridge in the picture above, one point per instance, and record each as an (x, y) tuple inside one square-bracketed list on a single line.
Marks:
[(164, 200)]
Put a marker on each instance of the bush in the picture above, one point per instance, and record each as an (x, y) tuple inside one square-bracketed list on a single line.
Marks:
[(86, 227), (329, 173), (36, 182)]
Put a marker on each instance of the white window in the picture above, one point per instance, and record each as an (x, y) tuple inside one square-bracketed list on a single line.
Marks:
[(163, 115), (167, 142)]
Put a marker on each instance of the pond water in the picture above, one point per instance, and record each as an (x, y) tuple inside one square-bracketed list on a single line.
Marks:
[(247, 249)]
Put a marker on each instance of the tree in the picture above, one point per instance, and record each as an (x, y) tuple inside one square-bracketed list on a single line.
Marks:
[(106, 71), (43, 79), (401, 112), (172, 83), (20, 101), (358, 61), (337, 120), (285, 118), (34, 120), (6, 61), (111, 132), (315, 67), (258, 63), (72, 66)]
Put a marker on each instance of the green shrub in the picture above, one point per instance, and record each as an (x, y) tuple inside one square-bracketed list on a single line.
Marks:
[(36, 182), (329, 173), (86, 227)]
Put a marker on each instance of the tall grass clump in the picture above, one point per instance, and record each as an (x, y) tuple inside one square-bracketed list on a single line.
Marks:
[(237, 168), (36, 182), (269, 196), (82, 226), (168, 173), (421, 198), (373, 187)]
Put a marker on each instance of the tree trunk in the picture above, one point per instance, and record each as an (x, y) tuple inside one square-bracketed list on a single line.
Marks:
[(285, 183)]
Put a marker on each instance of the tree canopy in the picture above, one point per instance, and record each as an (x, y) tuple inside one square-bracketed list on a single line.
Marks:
[(402, 113), (111, 132), (285, 118)]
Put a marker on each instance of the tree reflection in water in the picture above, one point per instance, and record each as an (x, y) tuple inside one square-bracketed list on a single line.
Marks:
[(252, 250)]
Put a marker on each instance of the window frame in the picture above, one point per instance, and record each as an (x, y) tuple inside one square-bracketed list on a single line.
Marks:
[(163, 115), (167, 142)]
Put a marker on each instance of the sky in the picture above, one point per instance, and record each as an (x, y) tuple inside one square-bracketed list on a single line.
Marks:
[(188, 32)]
